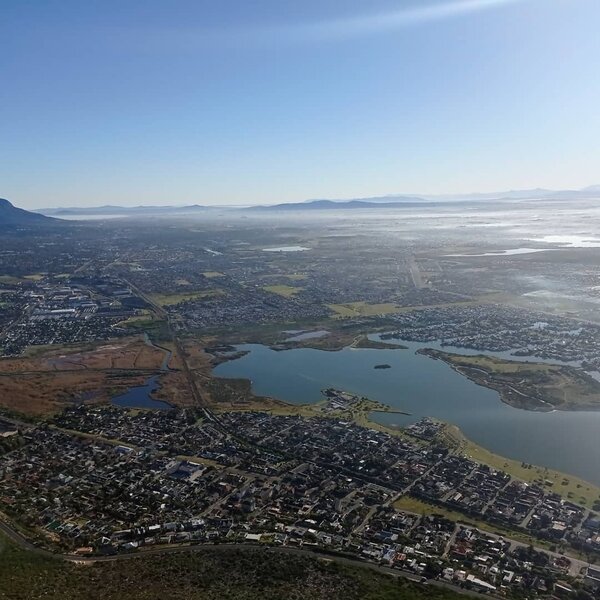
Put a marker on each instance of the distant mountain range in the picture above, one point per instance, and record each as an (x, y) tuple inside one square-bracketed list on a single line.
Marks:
[(368, 203), (13, 217), (122, 210), (393, 199), (403, 201), (592, 191), (376, 202)]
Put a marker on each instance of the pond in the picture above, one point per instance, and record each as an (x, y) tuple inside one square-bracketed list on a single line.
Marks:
[(141, 397)]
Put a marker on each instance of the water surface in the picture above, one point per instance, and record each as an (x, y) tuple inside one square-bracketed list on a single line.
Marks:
[(567, 441), (140, 397), (511, 252), (286, 249)]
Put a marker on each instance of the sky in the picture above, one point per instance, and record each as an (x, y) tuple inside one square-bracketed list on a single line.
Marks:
[(263, 101)]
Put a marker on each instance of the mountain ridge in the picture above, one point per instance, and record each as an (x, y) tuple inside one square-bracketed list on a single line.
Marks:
[(12, 216), (388, 201)]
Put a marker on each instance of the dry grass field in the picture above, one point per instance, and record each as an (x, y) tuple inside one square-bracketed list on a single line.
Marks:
[(124, 353), (43, 394), (47, 379)]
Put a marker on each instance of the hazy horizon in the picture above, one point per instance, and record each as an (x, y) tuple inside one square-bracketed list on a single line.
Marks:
[(423, 196)]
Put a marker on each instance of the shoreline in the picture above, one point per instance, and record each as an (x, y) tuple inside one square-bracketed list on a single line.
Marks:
[(508, 392), (455, 440), (313, 409)]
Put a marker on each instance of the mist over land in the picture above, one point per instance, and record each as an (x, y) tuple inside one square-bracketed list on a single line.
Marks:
[(392, 200)]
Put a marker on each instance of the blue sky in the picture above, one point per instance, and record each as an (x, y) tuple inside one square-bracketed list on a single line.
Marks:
[(262, 101)]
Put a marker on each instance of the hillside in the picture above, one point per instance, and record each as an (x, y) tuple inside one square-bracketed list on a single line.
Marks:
[(124, 211), (342, 205), (11, 217), (206, 574)]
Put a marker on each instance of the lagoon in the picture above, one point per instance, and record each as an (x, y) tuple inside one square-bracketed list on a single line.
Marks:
[(566, 441)]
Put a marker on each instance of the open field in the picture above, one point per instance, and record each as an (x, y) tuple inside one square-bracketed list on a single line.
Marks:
[(342, 333), (533, 386), (362, 309), (173, 299), (174, 388), (144, 317), (287, 291), (363, 341), (44, 394), (236, 394), (124, 353), (175, 361), (9, 279), (34, 277), (46, 379), (142, 324), (196, 357)]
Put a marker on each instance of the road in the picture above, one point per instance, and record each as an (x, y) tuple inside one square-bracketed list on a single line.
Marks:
[(415, 273), (22, 542), (163, 314)]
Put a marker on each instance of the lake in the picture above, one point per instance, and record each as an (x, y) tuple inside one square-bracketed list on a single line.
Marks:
[(140, 397), (566, 441)]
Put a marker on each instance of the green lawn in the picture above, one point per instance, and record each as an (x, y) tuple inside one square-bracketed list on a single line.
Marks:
[(362, 309), (173, 299)]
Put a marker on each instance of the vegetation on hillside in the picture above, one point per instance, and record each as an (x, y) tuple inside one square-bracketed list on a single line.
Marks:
[(215, 573)]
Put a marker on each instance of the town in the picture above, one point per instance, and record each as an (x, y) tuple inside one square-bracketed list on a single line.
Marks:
[(103, 480), (98, 315)]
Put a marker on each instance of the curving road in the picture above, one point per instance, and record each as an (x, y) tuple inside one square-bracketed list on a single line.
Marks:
[(24, 543)]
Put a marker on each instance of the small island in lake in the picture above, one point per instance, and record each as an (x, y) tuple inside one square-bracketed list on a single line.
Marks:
[(382, 367)]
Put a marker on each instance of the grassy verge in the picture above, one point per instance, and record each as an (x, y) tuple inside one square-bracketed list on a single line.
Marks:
[(414, 505)]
